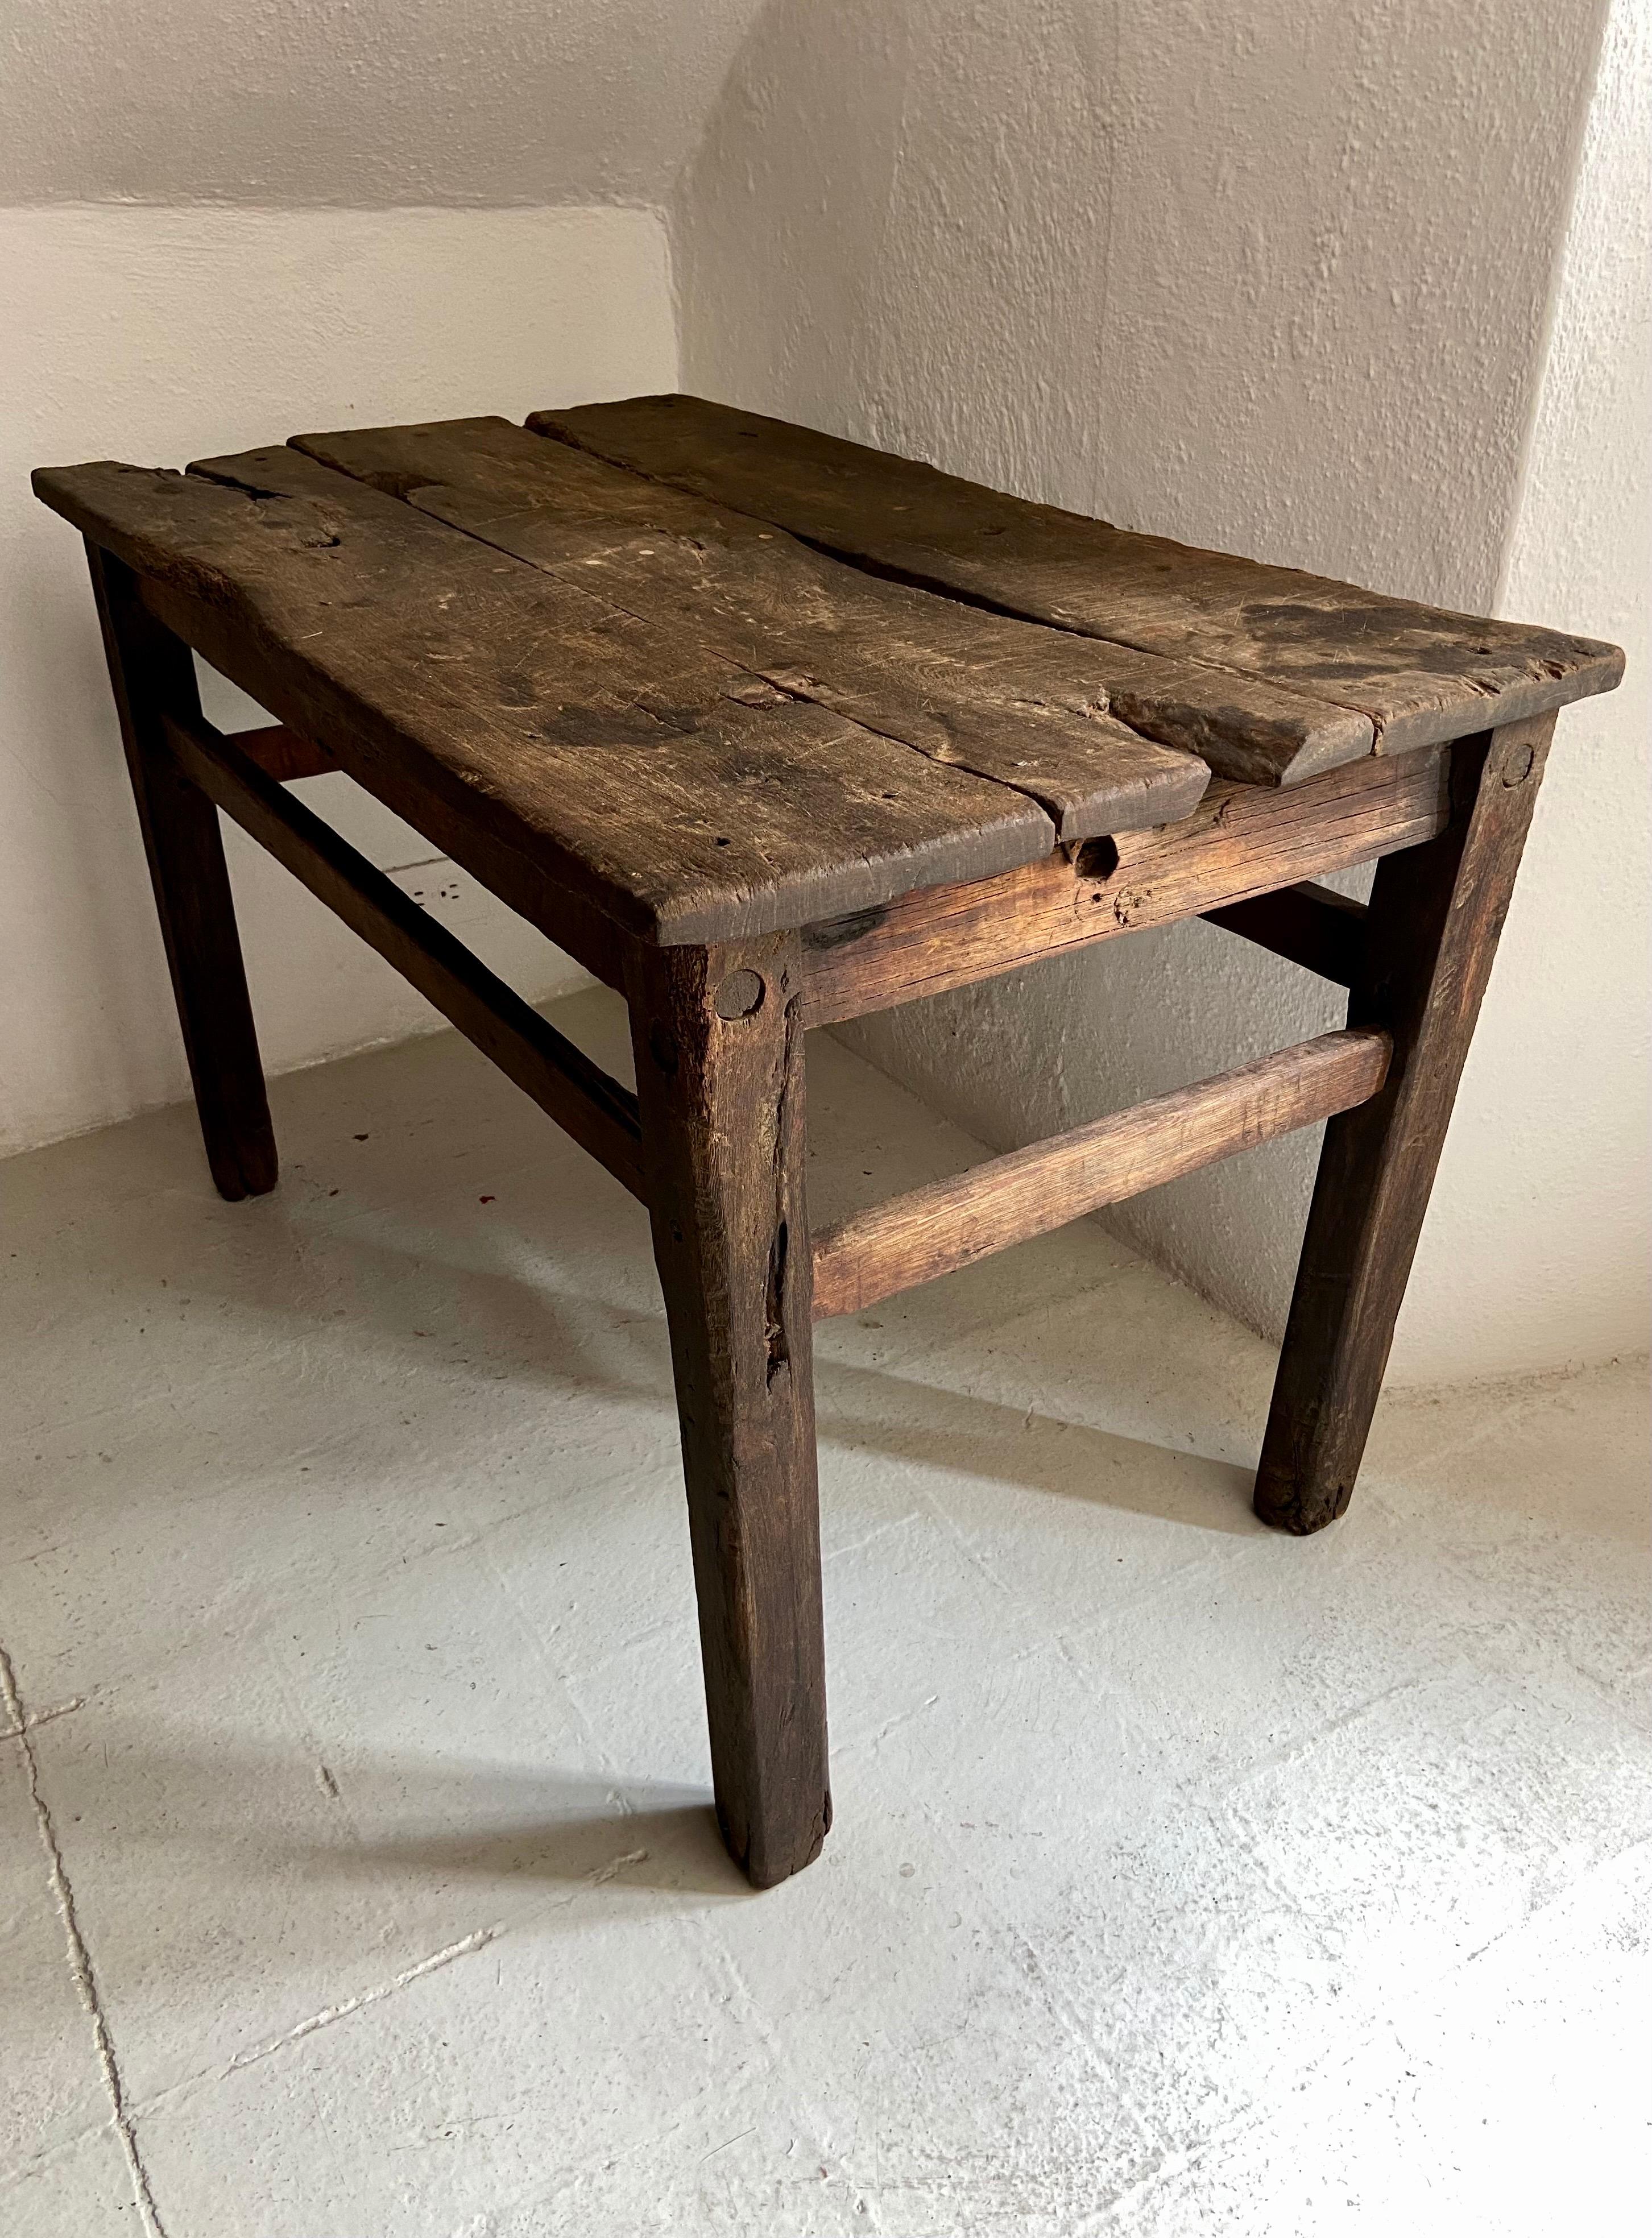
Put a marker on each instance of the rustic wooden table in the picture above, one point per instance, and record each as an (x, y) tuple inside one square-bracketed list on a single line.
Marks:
[(768, 731)]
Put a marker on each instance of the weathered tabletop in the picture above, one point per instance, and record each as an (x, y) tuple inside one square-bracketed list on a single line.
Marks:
[(714, 675), (770, 730)]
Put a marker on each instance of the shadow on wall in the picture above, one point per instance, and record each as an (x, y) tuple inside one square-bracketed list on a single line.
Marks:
[(1277, 279)]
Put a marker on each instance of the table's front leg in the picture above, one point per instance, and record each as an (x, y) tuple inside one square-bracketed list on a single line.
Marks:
[(719, 1040), (153, 675), (1435, 914)]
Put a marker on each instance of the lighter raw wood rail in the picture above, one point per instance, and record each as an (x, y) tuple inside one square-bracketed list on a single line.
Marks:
[(1240, 841), (950, 1223)]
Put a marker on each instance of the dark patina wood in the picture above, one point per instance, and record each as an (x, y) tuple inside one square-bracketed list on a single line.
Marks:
[(678, 793), (598, 1112), (1411, 674), (719, 1040), (770, 730), (1435, 915), (1310, 924), (1004, 699), (153, 678)]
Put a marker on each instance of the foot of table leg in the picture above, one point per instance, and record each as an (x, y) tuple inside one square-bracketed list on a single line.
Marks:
[(152, 673), (719, 1038), (1437, 911)]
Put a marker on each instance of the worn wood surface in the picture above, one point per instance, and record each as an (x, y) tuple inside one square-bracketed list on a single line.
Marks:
[(419, 791), (1309, 924), (953, 1222), (1241, 840), (1023, 705), (673, 789), (1413, 674), (719, 1041), (600, 1114), (280, 753), (1435, 915), (153, 678)]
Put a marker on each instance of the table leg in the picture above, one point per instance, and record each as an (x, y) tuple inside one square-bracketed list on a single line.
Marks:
[(1435, 914), (152, 673), (719, 1038)]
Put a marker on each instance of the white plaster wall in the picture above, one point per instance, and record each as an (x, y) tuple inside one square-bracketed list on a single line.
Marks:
[(356, 102), (161, 335), (1278, 279)]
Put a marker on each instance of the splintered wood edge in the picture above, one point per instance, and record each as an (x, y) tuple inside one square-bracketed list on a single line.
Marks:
[(1597, 665)]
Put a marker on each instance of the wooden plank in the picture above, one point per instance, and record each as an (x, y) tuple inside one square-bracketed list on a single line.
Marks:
[(280, 753), (1241, 840), (1313, 926), (1023, 705), (658, 783), (719, 1040), (1435, 915), (414, 788), (953, 1222), (600, 1114), (153, 680), (1417, 673), (1244, 727)]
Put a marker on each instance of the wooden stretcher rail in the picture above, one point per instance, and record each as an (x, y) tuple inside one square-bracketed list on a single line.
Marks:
[(600, 1114), (1241, 840), (1313, 926), (950, 1223), (280, 753)]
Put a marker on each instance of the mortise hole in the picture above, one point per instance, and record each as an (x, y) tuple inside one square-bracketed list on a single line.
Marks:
[(1097, 859), (741, 995)]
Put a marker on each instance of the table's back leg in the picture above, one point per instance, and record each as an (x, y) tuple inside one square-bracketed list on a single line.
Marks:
[(152, 674), (1435, 914), (719, 1039)]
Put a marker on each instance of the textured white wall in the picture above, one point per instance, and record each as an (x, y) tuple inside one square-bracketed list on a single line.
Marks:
[(163, 336), (1277, 279), (358, 103)]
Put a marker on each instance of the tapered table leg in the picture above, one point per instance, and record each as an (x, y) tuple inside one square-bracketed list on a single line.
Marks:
[(1437, 911), (719, 1037), (152, 674)]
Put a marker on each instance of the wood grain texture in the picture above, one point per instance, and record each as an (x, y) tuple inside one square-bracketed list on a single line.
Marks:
[(677, 792), (585, 1102), (1241, 840), (280, 753), (419, 791), (1025, 707), (953, 1222), (1413, 674), (153, 679), (719, 1040), (1435, 915), (1309, 924)]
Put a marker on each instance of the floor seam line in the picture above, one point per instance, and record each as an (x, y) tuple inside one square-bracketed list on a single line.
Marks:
[(80, 1958)]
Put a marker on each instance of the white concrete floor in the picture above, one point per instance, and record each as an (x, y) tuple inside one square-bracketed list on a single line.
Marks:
[(360, 1879)]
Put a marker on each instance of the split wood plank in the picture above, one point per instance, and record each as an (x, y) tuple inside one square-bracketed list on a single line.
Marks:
[(598, 1112), (1413, 674), (1024, 706), (665, 785), (1241, 840), (953, 1222)]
